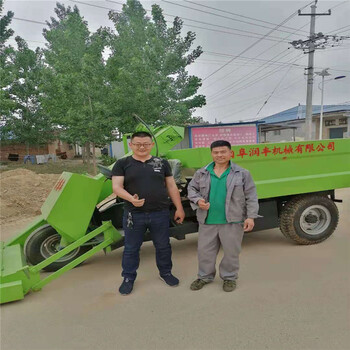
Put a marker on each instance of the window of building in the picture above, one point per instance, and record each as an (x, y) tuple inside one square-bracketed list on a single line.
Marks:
[(276, 132), (330, 122), (343, 121)]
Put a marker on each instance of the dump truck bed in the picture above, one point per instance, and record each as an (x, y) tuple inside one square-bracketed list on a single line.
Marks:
[(285, 168)]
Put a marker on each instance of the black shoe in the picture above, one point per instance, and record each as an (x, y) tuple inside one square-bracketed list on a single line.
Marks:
[(126, 287), (170, 280)]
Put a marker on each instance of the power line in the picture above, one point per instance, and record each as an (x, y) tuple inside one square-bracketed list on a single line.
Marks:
[(261, 97), (33, 41), (230, 28), (268, 74), (225, 32), (217, 15), (28, 20), (192, 20), (249, 47), (239, 15), (220, 54), (247, 58), (220, 31), (336, 49), (252, 72), (342, 3), (278, 84), (261, 53), (27, 41), (210, 24), (240, 63), (225, 89), (244, 102), (245, 62), (93, 5), (335, 30), (257, 70), (241, 110), (245, 77), (337, 70)]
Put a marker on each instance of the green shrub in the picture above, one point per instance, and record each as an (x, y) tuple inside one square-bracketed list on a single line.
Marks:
[(107, 160)]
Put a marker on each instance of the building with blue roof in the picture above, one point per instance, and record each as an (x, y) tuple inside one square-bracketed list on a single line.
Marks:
[(289, 125)]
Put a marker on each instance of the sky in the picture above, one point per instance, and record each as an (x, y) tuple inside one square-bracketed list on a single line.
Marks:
[(249, 69)]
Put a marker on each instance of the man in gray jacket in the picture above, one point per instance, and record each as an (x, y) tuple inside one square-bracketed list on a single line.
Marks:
[(225, 199)]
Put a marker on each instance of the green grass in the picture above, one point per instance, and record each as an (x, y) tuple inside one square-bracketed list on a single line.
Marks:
[(70, 165)]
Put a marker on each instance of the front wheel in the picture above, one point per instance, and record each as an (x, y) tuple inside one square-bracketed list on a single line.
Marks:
[(43, 243), (309, 219)]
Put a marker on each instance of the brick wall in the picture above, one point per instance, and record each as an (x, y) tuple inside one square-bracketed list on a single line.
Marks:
[(21, 150), (61, 146)]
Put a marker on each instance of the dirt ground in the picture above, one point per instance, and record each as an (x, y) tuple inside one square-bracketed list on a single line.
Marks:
[(22, 193), (288, 297), (72, 165)]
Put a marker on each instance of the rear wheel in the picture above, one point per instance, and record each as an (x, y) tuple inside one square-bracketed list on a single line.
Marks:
[(309, 219), (43, 243)]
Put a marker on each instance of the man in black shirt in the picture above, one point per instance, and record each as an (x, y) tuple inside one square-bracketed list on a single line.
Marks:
[(144, 182)]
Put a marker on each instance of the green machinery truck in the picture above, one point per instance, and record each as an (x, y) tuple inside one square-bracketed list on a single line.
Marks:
[(295, 181)]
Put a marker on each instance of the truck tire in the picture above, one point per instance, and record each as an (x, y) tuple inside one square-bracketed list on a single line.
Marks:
[(309, 219), (43, 243)]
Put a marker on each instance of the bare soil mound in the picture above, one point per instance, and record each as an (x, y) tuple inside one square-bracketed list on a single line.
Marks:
[(22, 193)]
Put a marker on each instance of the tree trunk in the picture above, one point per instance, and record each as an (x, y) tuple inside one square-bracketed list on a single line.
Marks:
[(83, 154), (94, 171), (87, 152)]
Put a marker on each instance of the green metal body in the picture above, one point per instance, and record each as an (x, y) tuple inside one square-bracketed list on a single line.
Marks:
[(22, 237), (278, 170), (17, 278), (70, 204), (166, 136), (284, 170)]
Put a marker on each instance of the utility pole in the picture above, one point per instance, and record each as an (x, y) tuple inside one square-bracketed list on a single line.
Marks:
[(309, 46), (323, 73)]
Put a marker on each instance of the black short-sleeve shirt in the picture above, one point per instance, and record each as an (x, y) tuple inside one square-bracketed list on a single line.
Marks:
[(147, 179)]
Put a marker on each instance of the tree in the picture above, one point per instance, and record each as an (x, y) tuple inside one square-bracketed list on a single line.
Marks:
[(75, 91), (5, 21), (147, 69), (22, 117), (5, 72), (25, 121)]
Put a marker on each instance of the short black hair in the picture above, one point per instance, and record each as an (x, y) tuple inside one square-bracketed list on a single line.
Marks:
[(220, 143), (141, 134)]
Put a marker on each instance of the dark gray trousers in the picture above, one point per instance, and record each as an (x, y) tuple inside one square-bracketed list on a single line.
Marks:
[(210, 238)]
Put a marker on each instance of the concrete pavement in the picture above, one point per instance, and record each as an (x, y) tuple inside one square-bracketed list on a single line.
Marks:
[(288, 297)]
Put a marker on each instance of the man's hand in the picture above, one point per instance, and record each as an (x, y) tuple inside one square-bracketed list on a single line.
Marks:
[(179, 216), (248, 225), (203, 205), (136, 201)]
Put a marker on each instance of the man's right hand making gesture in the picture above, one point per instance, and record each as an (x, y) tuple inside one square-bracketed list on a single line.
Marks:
[(203, 204), (136, 201)]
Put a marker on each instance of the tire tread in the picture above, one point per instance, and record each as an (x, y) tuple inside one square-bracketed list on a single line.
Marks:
[(289, 211)]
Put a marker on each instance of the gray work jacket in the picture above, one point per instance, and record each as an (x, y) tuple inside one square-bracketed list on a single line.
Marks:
[(241, 198)]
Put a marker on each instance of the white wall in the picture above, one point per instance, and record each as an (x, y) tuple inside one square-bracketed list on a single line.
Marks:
[(117, 149)]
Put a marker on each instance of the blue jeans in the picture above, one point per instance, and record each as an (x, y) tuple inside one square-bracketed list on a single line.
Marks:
[(157, 223)]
